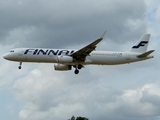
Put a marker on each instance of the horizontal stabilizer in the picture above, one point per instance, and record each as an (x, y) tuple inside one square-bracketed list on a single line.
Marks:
[(145, 54)]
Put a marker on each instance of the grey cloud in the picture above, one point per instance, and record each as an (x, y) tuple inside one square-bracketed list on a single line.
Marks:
[(55, 95), (59, 24), (97, 92), (150, 98)]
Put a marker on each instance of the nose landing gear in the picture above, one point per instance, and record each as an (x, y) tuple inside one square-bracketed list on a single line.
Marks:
[(20, 65)]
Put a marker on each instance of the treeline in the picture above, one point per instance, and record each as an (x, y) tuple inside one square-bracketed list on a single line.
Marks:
[(78, 118)]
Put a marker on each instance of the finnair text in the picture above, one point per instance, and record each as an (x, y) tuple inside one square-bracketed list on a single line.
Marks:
[(48, 52)]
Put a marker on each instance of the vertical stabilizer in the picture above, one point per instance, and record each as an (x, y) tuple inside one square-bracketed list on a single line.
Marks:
[(142, 44)]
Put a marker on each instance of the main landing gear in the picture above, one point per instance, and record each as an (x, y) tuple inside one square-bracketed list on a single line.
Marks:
[(20, 65), (76, 71), (77, 68)]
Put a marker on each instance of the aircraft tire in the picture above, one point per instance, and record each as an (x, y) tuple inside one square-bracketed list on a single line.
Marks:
[(79, 66), (76, 71)]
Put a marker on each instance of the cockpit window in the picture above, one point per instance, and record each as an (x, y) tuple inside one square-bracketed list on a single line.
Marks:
[(12, 51)]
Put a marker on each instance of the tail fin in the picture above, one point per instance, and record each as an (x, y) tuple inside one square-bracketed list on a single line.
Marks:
[(142, 44)]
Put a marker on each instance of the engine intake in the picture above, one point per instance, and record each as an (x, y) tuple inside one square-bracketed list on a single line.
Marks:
[(62, 67)]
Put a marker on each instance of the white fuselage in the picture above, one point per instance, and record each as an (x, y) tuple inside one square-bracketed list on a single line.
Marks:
[(65, 59), (62, 56)]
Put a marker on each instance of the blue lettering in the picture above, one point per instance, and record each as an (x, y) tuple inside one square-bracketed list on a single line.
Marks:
[(63, 52), (72, 52), (28, 50), (48, 52), (34, 53), (43, 52), (53, 52)]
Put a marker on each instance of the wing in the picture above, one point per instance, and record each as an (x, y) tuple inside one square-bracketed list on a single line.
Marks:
[(81, 54)]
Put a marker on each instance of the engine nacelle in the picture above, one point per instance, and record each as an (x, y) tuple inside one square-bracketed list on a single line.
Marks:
[(62, 67), (65, 59)]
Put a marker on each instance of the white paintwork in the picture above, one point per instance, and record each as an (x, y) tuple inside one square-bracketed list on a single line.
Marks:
[(64, 57)]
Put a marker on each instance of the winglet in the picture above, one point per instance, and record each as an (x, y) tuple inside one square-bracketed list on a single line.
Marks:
[(82, 53), (103, 35)]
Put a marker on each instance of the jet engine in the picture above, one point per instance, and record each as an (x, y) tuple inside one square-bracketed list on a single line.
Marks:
[(62, 67), (65, 59)]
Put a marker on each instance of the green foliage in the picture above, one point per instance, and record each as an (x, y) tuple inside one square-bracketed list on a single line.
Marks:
[(72, 118), (81, 118), (78, 118)]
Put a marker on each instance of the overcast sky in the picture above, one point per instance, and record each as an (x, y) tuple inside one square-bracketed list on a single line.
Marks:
[(38, 92)]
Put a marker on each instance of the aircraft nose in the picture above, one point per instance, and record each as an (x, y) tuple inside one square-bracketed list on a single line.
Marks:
[(6, 56)]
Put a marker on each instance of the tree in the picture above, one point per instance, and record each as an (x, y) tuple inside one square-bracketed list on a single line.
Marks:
[(72, 118), (81, 118), (78, 118)]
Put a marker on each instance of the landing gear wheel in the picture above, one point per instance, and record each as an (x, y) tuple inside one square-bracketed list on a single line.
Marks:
[(19, 67), (79, 66), (76, 71)]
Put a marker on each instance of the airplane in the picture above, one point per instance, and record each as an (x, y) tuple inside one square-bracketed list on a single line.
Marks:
[(66, 59)]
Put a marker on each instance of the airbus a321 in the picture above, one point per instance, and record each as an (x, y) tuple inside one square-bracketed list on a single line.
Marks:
[(66, 59)]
